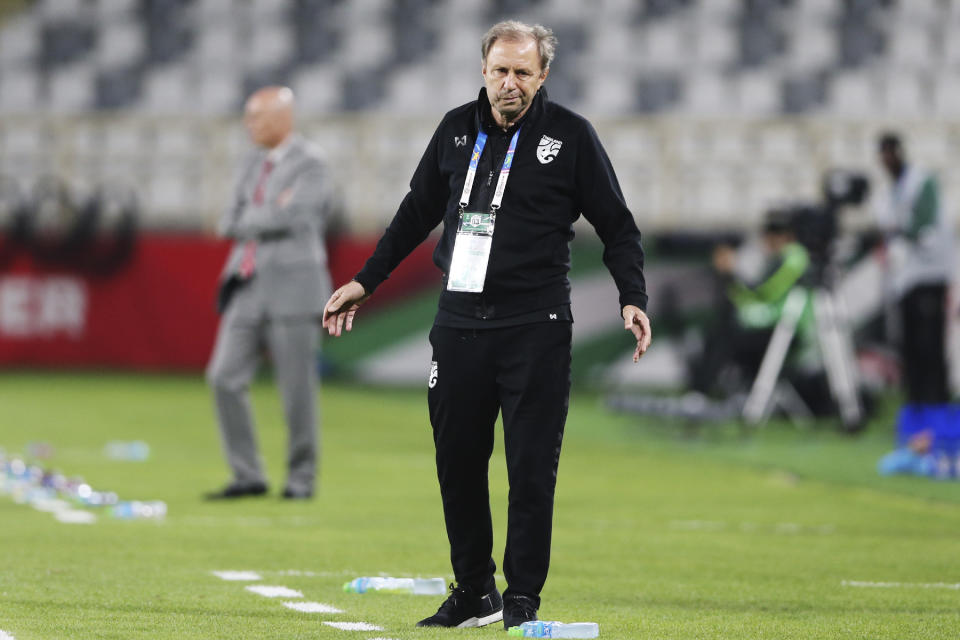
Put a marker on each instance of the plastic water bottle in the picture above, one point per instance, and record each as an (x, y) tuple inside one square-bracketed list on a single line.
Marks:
[(542, 629), (136, 451), (416, 586), (136, 510), (906, 461)]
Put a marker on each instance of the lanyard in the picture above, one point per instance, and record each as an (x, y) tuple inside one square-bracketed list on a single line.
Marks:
[(472, 171)]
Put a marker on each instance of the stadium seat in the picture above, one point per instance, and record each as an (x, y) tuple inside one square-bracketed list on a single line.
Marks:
[(165, 90), (758, 93), (946, 94), (665, 44), (317, 88), (811, 46), (911, 46), (904, 94), (20, 90), (707, 94), (19, 40), (119, 44), (217, 46), (216, 91), (851, 94), (71, 88), (268, 45), (715, 45)]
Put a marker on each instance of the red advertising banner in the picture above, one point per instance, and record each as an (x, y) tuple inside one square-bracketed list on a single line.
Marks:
[(154, 312)]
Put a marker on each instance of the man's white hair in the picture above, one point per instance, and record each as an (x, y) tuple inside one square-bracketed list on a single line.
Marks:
[(514, 30)]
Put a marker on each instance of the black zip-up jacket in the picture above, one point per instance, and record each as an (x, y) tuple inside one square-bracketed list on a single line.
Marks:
[(547, 190)]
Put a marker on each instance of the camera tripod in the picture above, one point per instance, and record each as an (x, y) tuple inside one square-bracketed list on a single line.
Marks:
[(836, 348)]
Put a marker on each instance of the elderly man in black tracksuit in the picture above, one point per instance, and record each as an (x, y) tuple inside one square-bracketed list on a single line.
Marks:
[(507, 175)]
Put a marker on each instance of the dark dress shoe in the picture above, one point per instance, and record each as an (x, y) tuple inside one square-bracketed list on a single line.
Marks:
[(297, 494), (236, 490)]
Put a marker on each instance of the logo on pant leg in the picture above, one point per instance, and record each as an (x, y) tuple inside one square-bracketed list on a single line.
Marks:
[(432, 382)]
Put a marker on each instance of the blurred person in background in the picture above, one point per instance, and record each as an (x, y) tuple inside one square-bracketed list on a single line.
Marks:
[(918, 257), (749, 310), (502, 335), (271, 294)]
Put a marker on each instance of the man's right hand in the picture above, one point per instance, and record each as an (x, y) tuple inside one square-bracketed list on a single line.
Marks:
[(342, 306)]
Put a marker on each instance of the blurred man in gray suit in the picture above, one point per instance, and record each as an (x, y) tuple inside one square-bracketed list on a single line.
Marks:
[(271, 294)]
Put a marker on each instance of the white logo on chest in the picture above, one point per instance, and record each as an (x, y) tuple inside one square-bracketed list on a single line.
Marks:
[(548, 149)]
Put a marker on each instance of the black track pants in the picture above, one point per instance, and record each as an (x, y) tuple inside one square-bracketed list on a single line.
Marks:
[(923, 348), (523, 371)]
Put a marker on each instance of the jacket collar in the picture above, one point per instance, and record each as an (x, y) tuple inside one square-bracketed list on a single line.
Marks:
[(277, 154), (484, 115)]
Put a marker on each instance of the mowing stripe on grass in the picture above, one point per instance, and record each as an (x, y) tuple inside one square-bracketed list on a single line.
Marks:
[(238, 575), (312, 607), (273, 592), (353, 626), (955, 586), (781, 528)]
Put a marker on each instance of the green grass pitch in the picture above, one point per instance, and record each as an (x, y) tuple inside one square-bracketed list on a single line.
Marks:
[(657, 535)]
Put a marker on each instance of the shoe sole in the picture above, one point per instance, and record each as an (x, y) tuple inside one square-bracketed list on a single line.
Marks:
[(481, 622)]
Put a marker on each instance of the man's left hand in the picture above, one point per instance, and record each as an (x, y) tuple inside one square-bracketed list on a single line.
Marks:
[(637, 321), (284, 198)]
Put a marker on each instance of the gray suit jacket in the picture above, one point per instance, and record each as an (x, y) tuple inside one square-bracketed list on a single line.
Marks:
[(291, 276)]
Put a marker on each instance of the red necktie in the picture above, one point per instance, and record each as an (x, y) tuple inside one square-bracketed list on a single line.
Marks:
[(249, 261), (262, 182)]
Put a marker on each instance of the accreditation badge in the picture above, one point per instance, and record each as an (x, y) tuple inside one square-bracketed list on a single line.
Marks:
[(471, 252)]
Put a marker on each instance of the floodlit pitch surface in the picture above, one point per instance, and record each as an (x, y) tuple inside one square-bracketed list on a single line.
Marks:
[(780, 535)]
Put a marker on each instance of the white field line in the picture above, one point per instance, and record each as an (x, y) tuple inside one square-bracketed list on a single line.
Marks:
[(75, 516), (312, 574), (353, 626), (5, 636), (955, 586), (698, 525), (249, 576), (273, 592), (51, 505), (312, 607)]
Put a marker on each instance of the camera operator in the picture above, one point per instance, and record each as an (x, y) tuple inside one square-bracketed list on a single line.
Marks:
[(749, 311), (918, 257)]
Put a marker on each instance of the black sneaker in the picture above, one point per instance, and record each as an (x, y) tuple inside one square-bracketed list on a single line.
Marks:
[(464, 609), (518, 609), (237, 490)]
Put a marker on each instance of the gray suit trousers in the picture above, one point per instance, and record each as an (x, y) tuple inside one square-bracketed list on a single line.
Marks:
[(292, 343)]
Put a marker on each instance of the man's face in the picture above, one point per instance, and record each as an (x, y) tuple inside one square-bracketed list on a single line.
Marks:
[(774, 241), (266, 123), (512, 75), (891, 160)]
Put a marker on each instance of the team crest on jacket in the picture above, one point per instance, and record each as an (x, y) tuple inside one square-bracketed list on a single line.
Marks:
[(548, 149)]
